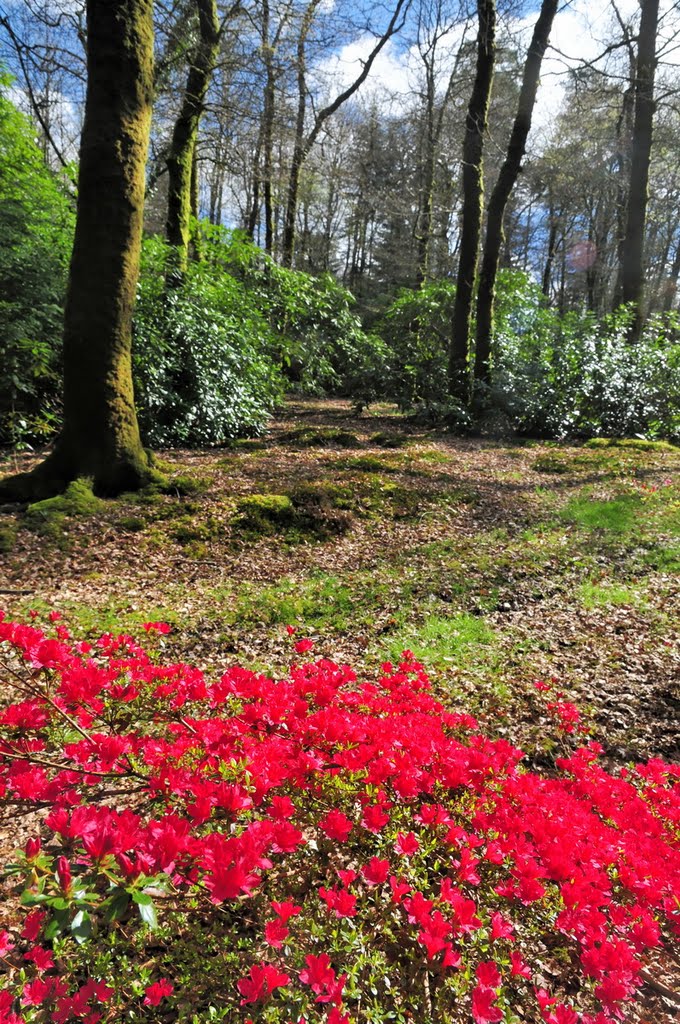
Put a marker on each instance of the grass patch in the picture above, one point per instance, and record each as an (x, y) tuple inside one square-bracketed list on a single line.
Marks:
[(604, 595), (444, 640), (320, 602), (551, 464), (618, 515)]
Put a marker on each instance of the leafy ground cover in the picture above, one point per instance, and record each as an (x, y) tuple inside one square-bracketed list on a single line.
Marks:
[(497, 564)]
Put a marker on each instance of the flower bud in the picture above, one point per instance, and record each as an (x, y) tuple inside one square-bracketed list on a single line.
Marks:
[(64, 874), (32, 848)]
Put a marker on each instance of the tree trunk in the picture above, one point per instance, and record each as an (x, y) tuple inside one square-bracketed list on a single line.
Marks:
[(427, 193), (100, 435), (632, 265), (185, 132), (550, 257), (507, 178), (473, 200), (299, 146)]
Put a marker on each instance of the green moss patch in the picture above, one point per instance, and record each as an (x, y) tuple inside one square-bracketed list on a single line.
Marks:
[(639, 444), (320, 437), (77, 500), (8, 539), (385, 440), (264, 514)]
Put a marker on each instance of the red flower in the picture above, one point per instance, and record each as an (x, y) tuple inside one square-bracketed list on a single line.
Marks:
[(406, 844), (156, 627), (275, 932), (260, 983), (518, 966), (320, 977), (337, 826), (42, 958), (488, 974), (483, 1010), (159, 990), (33, 925), (302, 646), (376, 871), (285, 910), (500, 928), (342, 902)]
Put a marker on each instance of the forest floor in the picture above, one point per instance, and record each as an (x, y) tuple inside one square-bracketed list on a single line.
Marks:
[(496, 563)]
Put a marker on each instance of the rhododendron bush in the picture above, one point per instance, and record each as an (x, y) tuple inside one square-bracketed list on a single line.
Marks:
[(317, 848)]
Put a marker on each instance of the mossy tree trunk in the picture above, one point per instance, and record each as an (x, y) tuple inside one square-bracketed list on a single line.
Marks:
[(505, 183), (100, 435), (473, 200), (182, 153)]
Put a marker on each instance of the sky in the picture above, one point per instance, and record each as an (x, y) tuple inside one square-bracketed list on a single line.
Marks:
[(581, 31)]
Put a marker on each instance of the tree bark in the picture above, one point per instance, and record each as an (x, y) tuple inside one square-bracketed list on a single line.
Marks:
[(100, 435), (632, 264), (473, 200), (185, 133), (507, 178)]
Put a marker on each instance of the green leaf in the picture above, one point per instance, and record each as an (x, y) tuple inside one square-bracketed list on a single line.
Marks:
[(147, 912), (81, 926), (141, 898), (57, 924), (116, 906)]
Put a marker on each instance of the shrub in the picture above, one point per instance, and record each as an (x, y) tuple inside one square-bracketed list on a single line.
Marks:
[(318, 846), (203, 356), (577, 375), (417, 328), (320, 343), (553, 375), (36, 230)]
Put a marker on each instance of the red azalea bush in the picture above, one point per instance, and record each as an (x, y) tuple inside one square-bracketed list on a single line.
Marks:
[(316, 848)]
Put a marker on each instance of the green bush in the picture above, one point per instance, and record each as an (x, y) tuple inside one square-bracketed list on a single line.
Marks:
[(320, 344), (204, 356), (416, 329), (36, 232), (577, 375), (553, 375)]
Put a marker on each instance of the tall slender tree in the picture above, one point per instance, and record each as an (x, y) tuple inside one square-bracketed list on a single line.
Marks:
[(100, 435), (632, 251), (473, 199), (303, 143), (505, 183), (181, 158)]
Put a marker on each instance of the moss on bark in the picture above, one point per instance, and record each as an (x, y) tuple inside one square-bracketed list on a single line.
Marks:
[(100, 435), (182, 155)]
